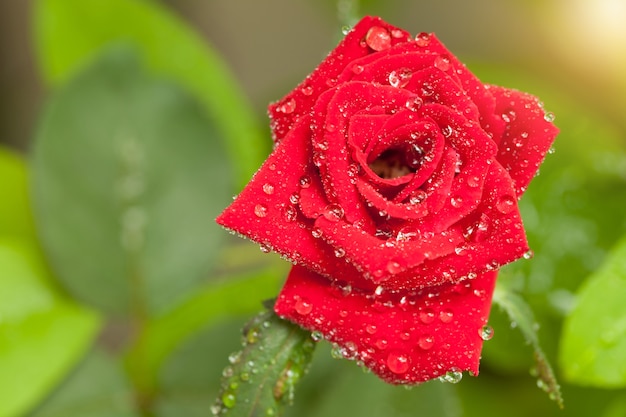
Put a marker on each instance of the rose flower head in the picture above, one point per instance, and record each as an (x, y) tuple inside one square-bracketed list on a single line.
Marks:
[(393, 190)]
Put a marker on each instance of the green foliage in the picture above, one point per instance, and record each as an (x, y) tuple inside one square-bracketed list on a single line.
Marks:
[(70, 34), (97, 388), (593, 344), (128, 175), (522, 317), (15, 218), (41, 334), (261, 378)]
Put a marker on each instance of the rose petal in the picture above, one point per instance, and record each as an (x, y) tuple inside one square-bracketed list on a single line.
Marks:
[(404, 340), (528, 135), (304, 96)]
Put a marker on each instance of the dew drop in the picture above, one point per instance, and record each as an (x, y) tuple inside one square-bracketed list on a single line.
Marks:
[(268, 188), (340, 252), (265, 248), (426, 342), (447, 131), (486, 332), (379, 290), (229, 399), (378, 38), (345, 29), (397, 33), (394, 267), (294, 198), (422, 39), (398, 363), (260, 210), (316, 336), (316, 232), (456, 201), (333, 212), (414, 103), (381, 344), (473, 181), (427, 316), (453, 376), (288, 106), (442, 63), (307, 90), (305, 181), (290, 213), (505, 204), (399, 78), (446, 316), (357, 69), (549, 117), (371, 328), (303, 306), (529, 254)]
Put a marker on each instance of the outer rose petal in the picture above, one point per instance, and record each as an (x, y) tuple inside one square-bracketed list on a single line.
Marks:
[(527, 137), (404, 341)]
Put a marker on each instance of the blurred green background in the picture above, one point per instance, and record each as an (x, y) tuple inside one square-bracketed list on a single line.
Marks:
[(127, 125)]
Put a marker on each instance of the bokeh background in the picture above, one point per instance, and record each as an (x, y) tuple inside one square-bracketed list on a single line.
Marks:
[(74, 338)]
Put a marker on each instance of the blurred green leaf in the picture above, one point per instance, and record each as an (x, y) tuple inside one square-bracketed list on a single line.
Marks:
[(97, 388), (239, 296), (69, 34), (16, 217), (338, 387), (128, 177), (593, 343), (41, 334), (261, 378), (189, 379), (523, 318)]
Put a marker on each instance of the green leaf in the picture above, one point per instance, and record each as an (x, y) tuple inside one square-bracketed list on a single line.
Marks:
[(41, 334), (128, 177), (593, 343), (15, 218), (97, 388), (338, 387), (261, 378), (238, 296), (69, 34), (523, 318)]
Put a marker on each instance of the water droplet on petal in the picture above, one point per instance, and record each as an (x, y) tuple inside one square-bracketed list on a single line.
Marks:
[(397, 33), (529, 254), (398, 363), (294, 198), (268, 188), (549, 117), (400, 78), (378, 38), (381, 344), (379, 290), (345, 29), (303, 306), (453, 376), (422, 39), (370, 328), (307, 90), (260, 210), (305, 181), (426, 342), (473, 181), (446, 316), (456, 201), (288, 106), (394, 267), (486, 332), (357, 69), (427, 316), (442, 63), (505, 204), (317, 336), (333, 212), (290, 213), (340, 252), (414, 103)]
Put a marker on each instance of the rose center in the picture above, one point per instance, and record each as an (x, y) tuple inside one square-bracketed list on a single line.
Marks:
[(391, 164)]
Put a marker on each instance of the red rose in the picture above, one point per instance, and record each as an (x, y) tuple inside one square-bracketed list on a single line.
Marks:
[(393, 189)]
